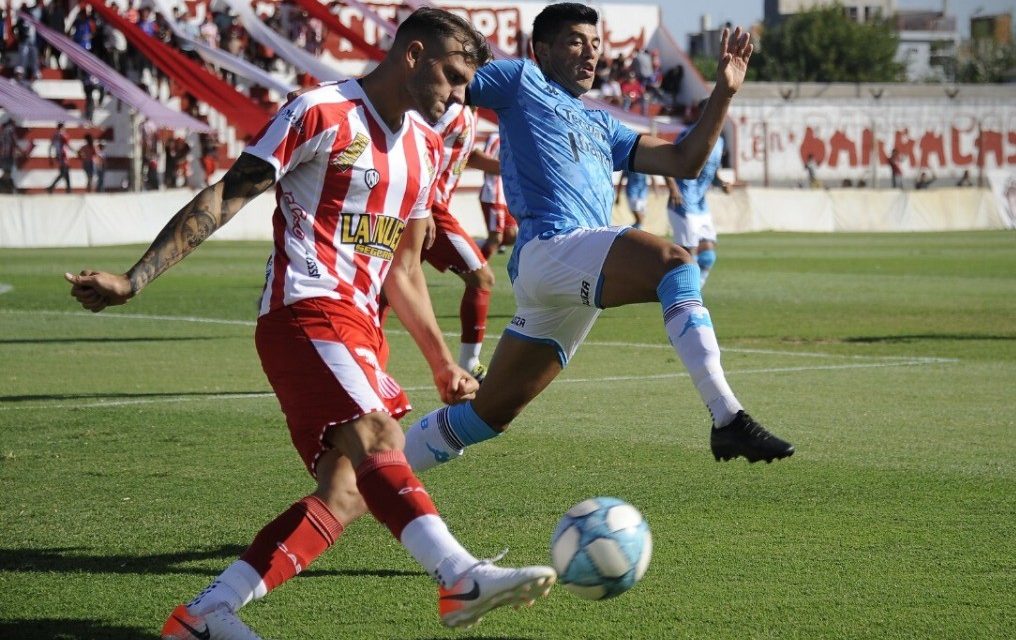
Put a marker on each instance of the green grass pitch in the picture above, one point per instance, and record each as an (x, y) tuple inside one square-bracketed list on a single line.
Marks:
[(141, 449)]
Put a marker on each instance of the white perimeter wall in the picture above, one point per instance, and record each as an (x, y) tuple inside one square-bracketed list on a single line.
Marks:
[(112, 219)]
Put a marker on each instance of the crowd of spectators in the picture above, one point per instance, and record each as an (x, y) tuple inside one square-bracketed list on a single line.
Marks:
[(638, 81)]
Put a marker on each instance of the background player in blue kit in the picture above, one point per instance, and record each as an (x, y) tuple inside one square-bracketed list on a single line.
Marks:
[(689, 213), (636, 190), (557, 164)]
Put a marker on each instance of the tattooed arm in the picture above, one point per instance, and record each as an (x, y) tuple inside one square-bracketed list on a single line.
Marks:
[(211, 208)]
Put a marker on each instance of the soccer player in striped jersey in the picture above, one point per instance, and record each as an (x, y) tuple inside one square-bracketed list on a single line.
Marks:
[(557, 163), (353, 169), (453, 248), (501, 225)]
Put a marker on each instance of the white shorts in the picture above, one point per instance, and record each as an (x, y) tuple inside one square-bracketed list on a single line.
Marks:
[(691, 228), (557, 290)]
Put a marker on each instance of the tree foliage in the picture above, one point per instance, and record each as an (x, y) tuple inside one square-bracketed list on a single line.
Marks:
[(824, 45), (988, 61)]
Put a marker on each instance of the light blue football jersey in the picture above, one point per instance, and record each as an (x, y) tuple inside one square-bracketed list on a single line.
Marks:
[(693, 190), (557, 156)]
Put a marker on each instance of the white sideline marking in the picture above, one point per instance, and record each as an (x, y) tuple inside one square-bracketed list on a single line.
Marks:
[(398, 332), (883, 362)]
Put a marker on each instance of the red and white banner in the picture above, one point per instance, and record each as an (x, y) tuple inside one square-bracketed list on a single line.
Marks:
[(853, 140)]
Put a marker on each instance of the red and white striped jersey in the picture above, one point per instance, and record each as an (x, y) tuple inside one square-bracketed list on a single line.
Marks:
[(458, 128), (492, 191), (345, 188)]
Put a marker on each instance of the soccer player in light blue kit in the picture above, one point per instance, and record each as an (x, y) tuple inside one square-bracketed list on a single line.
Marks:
[(689, 212), (557, 164)]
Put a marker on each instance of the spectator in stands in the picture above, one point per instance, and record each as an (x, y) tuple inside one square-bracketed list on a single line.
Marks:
[(100, 167), (895, 169), (115, 47), (146, 22), (55, 19), (209, 155), (187, 28), (643, 65), (20, 79), (83, 30), (131, 13), (610, 90), (965, 180), (88, 153), (28, 41), (924, 179), (10, 153), (235, 36), (632, 92), (59, 154), (209, 32), (89, 85)]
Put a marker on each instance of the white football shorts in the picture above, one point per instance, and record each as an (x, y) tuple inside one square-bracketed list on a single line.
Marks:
[(558, 286), (691, 228)]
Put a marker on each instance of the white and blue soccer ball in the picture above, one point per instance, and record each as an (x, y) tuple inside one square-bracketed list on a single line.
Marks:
[(601, 548)]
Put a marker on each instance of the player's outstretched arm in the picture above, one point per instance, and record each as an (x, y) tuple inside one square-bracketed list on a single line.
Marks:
[(686, 158), (406, 289), (211, 208)]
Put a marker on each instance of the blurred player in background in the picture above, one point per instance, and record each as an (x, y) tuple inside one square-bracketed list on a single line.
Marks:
[(348, 218), (636, 191), (453, 248), (501, 225), (557, 163), (688, 209)]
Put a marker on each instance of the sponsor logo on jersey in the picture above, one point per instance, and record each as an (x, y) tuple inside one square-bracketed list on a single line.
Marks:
[(372, 177), (457, 169), (297, 212), (295, 121), (375, 235), (584, 293), (344, 161), (312, 267)]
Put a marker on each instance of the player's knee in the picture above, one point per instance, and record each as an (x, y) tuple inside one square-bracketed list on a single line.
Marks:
[(485, 278), (674, 255), (680, 285), (706, 259)]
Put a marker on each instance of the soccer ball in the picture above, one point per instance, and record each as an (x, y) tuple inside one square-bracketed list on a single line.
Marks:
[(601, 548)]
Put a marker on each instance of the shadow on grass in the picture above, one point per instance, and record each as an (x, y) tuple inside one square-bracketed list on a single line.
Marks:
[(129, 396), (73, 560), (921, 337), (104, 340), (70, 629)]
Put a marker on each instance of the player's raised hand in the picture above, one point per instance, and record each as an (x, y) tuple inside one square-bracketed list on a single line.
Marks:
[(454, 384), (96, 290), (735, 51)]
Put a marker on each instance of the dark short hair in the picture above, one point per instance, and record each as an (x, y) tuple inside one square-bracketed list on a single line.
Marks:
[(549, 22), (429, 24)]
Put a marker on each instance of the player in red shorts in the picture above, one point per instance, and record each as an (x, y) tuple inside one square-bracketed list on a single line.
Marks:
[(501, 225), (352, 167), (453, 248)]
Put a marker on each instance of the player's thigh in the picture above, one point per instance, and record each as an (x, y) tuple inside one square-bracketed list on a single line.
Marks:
[(635, 266), (325, 371), (565, 269), (453, 248)]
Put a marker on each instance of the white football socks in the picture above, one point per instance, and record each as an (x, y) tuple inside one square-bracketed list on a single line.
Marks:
[(691, 334), (427, 444), (236, 586), (469, 355), (428, 539)]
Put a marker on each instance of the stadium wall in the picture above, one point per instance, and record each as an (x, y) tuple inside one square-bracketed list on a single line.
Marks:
[(114, 219)]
